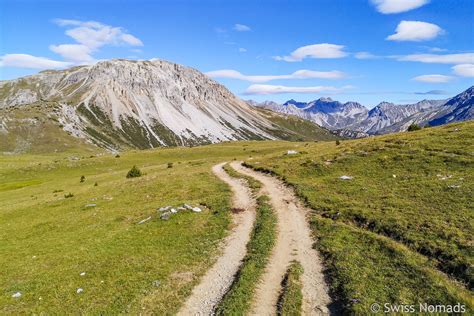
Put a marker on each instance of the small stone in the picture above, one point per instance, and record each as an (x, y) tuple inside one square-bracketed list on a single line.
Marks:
[(82, 274), (345, 177), (394, 175), (79, 290), (165, 216), (156, 283), (91, 205), (173, 210), (164, 208), (180, 208), (196, 209), (16, 295), (189, 207), (291, 152)]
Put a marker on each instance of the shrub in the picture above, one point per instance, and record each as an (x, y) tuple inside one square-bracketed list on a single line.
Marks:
[(170, 165), (69, 195), (83, 178), (117, 156), (96, 184), (414, 127), (338, 142), (134, 172)]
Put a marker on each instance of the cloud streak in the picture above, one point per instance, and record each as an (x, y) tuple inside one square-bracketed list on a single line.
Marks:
[(464, 70), (263, 89), (324, 50), (464, 58), (299, 74), (241, 28), (31, 62), (433, 78)]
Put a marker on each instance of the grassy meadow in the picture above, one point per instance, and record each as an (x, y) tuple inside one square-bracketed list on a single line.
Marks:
[(400, 230), (48, 240)]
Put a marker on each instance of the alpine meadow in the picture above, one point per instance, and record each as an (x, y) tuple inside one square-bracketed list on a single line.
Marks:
[(237, 158)]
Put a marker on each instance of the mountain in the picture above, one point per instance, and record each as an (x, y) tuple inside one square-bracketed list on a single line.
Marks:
[(352, 119), (459, 108), (130, 104)]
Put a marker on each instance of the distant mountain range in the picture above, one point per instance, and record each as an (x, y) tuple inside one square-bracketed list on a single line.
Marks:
[(119, 104), (354, 120)]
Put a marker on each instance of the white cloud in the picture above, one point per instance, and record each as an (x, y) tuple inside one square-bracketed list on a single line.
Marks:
[(464, 58), (300, 74), (397, 6), (464, 70), (29, 61), (90, 36), (74, 52), (323, 50), (242, 50), (263, 89), (415, 31), (365, 55), (241, 28), (433, 78)]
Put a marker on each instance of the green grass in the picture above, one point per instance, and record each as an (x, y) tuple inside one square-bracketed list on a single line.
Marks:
[(405, 217), (297, 129), (47, 240), (290, 301), (253, 184), (238, 300)]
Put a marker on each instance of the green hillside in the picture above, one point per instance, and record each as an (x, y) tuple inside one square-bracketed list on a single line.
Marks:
[(398, 231)]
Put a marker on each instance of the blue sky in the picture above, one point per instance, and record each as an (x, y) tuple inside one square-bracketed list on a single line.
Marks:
[(362, 50)]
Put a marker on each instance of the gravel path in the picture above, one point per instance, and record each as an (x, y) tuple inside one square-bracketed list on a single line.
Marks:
[(219, 278), (294, 241)]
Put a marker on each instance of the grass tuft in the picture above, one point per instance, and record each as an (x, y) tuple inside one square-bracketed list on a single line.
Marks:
[(290, 301), (238, 300)]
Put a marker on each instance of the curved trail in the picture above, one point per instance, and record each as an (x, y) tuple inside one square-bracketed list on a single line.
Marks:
[(294, 242), (219, 278)]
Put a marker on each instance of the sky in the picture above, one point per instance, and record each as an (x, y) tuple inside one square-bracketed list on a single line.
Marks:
[(368, 51)]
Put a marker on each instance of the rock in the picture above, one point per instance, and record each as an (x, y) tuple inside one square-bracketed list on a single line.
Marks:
[(144, 220), (79, 290), (17, 295), (189, 207), (156, 283), (180, 208), (454, 186), (394, 175), (82, 274), (173, 210), (291, 152), (165, 216), (345, 177), (164, 208), (91, 205), (196, 209)]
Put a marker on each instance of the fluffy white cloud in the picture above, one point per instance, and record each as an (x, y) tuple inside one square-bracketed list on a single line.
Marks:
[(415, 31), (323, 50), (90, 36), (464, 58), (464, 70), (264, 89), (397, 6), (300, 74), (74, 52), (433, 78), (241, 28), (29, 61)]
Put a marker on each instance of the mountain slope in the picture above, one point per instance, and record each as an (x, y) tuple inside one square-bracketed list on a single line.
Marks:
[(140, 104), (351, 118)]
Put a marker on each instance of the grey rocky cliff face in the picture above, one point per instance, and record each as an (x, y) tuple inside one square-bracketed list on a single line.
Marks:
[(161, 103)]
